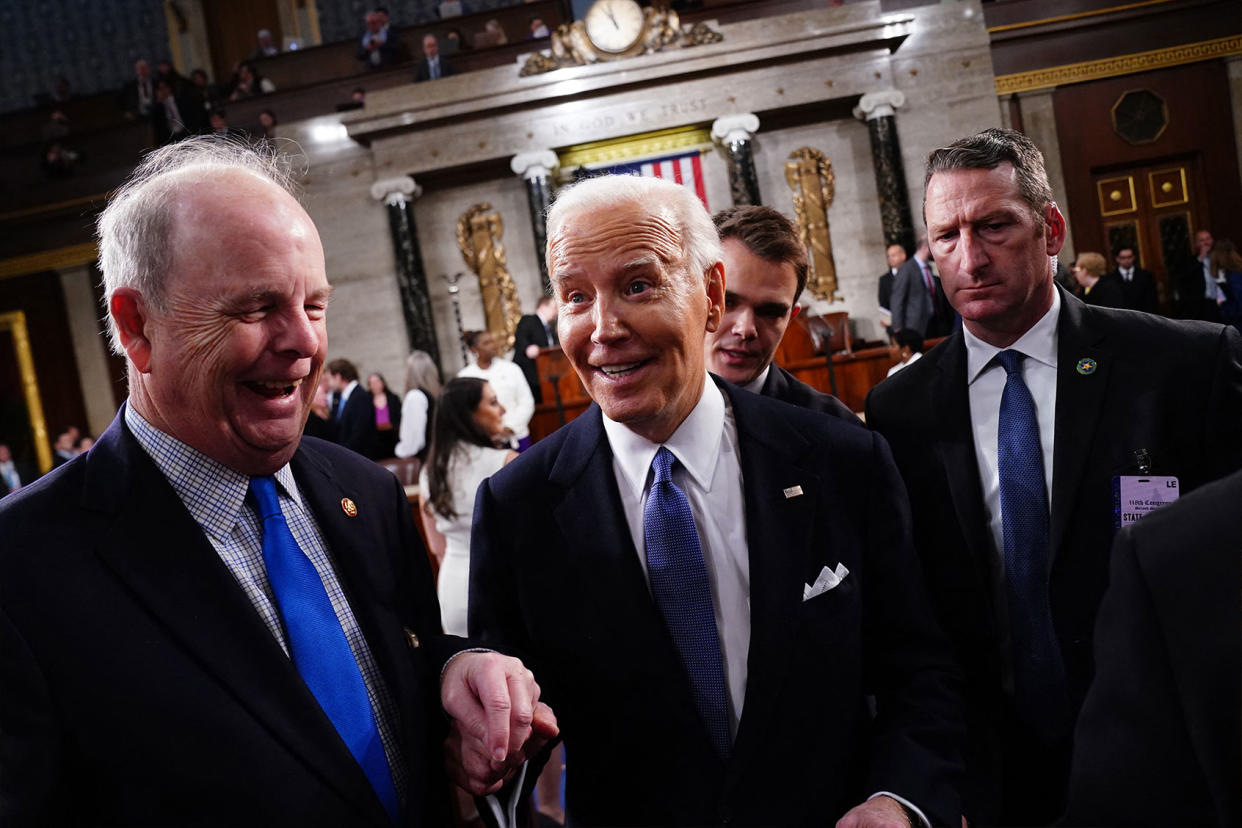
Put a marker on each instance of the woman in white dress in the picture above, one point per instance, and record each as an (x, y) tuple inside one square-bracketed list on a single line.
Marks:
[(466, 427)]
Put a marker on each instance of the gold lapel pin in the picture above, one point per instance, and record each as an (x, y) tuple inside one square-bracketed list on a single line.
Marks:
[(793, 491), (413, 639), (348, 507)]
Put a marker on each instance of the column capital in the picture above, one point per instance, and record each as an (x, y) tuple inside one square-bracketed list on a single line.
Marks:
[(879, 104), (395, 190), (538, 164), (739, 127)]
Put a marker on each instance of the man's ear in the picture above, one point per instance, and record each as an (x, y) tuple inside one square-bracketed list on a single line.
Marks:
[(797, 309), (715, 296), (129, 313), (1054, 229)]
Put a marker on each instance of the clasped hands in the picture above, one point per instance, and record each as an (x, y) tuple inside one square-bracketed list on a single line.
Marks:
[(497, 719)]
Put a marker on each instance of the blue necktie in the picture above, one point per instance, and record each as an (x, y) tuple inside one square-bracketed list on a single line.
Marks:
[(317, 643), (684, 596), (1039, 674)]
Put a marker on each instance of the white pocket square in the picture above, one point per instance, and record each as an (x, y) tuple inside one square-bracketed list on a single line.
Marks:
[(828, 579)]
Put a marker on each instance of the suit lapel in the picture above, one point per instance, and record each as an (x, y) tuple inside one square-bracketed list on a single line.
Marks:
[(1080, 401), (607, 566), (955, 447), (778, 536), (157, 550)]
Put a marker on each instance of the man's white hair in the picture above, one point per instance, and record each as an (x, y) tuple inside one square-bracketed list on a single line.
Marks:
[(700, 243), (135, 229)]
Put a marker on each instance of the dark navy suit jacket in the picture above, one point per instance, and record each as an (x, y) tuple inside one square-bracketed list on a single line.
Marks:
[(556, 578), (141, 687)]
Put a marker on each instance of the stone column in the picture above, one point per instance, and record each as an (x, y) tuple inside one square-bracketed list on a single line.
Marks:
[(536, 168), (398, 195), (878, 110), (734, 132)]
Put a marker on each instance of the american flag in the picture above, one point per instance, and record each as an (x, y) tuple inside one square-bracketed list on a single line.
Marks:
[(684, 169)]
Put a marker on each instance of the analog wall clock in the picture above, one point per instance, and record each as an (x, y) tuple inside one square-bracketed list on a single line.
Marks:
[(615, 27)]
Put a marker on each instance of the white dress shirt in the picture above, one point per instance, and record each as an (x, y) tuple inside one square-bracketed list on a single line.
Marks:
[(986, 381), (710, 474), (755, 386)]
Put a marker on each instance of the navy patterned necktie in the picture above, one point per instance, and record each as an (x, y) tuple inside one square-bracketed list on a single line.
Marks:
[(1039, 674), (683, 595), (318, 645)]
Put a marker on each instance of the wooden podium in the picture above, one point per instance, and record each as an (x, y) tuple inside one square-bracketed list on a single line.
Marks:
[(564, 398)]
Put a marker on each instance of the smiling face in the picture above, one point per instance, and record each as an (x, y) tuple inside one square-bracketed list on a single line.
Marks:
[(759, 303), (632, 317), (489, 414), (232, 365), (994, 256)]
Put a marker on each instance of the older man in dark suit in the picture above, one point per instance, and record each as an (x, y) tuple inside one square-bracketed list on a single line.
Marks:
[(1011, 436), (709, 583), (765, 271), (207, 620)]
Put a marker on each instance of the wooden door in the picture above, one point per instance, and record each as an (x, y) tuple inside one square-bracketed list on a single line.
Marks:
[(1154, 208)]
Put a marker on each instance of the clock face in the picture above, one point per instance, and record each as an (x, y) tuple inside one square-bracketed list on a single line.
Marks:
[(614, 25)]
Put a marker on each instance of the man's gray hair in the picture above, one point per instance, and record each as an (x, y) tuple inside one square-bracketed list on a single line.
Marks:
[(987, 151), (135, 229), (700, 243)]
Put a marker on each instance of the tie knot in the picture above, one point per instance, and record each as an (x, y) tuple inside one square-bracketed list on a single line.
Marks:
[(1011, 361), (264, 491), (662, 465)]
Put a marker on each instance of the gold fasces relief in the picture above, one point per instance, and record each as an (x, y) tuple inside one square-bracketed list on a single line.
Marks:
[(810, 177), (478, 237), (661, 30), (14, 322)]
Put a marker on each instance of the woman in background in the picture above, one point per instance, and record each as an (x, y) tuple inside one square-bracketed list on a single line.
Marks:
[(422, 387), (465, 432), (387, 414)]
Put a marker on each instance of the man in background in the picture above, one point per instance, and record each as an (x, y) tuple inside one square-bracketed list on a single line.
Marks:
[(535, 331), (765, 272), (1138, 286), (353, 411)]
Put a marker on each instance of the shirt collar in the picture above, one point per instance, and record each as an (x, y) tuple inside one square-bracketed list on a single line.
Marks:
[(696, 442), (211, 491), (756, 385), (1038, 343), (349, 389)]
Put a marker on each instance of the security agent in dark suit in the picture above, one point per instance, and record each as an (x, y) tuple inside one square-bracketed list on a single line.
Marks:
[(694, 681), (1138, 285), (432, 65), (1114, 392), (534, 332), (353, 411), (1158, 741), (884, 287), (765, 271), (915, 305), (206, 620)]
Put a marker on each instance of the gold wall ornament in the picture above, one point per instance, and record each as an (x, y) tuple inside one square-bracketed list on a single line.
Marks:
[(661, 30), (810, 176), (478, 237), (15, 323)]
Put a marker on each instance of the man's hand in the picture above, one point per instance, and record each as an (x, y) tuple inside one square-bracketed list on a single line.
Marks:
[(880, 812), (498, 720)]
